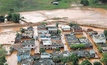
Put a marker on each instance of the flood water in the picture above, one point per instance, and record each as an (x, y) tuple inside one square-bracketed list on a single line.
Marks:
[(12, 59)]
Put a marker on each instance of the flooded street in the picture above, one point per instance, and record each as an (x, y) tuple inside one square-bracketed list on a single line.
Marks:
[(12, 59)]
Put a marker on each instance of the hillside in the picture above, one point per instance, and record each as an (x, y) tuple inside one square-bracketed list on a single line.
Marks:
[(29, 5)]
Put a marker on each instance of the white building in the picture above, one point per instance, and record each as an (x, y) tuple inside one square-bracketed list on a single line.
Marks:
[(66, 28), (99, 38), (45, 55)]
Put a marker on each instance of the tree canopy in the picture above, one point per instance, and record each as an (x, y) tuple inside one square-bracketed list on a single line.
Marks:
[(104, 59), (97, 63), (85, 2), (74, 58), (86, 62)]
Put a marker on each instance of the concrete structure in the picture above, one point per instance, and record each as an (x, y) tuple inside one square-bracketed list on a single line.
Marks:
[(99, 38), (29, 44), (66, 28), (23, 54)]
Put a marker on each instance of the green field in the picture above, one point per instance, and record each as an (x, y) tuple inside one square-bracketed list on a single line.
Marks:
[(31, 5)]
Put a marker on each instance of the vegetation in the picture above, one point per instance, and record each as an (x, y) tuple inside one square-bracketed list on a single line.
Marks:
[(86, 62), (57, 24), (97, 63), (57, 49), (85, 2), (29, 5), (12, 16), (2, 18), (99, 48), (74, 58), (104, 59), (43, 23), (105, 33), (59, 31), (42, 50), (78, 46), (2, 56)]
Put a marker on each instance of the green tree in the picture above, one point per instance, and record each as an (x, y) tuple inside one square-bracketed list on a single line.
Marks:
[(70, 24), (57, 24), (85, 2), (59, 31), (86, 62), (74, 58), (43, 23), (2, 18), (57, 49), (76, 46), (103, 1), (12, 16), (105, 33), (42, 50), (2, 56), (104, 59), (97, 63)]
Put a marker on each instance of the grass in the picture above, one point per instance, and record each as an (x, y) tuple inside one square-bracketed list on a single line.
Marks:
[(30, 5)]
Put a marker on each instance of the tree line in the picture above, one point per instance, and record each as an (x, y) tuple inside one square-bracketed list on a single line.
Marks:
[(12, 16)]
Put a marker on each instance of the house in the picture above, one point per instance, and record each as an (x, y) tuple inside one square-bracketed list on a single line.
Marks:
[(23, 53), (71, 39), (44, 62), (18, 38), (28, 33), (77, 29), (28, 61), (85, 41), (17, 46), (29, 44), (43, 37), (66, 28), (52, 29), (92, 53), (45, 55), (99, 38)]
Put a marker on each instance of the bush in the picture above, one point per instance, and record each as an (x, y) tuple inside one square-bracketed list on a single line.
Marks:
[(97, 63), (85, 2), (77, 46), (59, 31), (42, 50), (2, 18), (57, 49)]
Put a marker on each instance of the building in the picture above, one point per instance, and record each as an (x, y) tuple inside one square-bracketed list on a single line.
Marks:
[(18, 38), (99, 38), (23, 54), (44, 62), (45, 55), (92, 53), (29, 44), (71, 39), (66, 28), (28, 33), (28, 61), (52, 29), (77, 29)]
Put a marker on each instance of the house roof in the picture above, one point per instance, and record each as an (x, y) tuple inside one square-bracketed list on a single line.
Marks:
[(99, 36), (65, 27), (44, 62), (28, 42), (23, 51), (17, 46), (27, 61), (53, 29), (92, 52), (47, 43), (30, 28)]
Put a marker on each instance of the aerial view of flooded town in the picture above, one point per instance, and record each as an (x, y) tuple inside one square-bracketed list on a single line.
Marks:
[(53, 32)]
